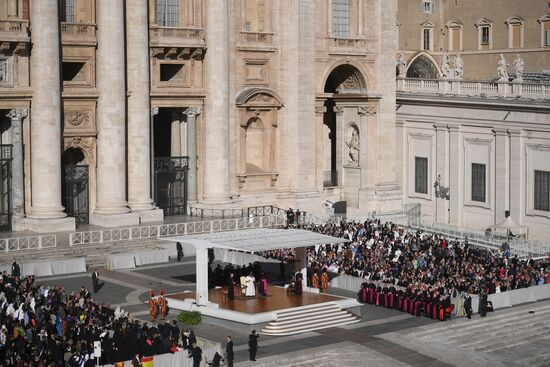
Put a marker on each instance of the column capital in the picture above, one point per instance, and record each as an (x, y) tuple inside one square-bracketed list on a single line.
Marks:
[(319, 110), (18, 113), (339, 110), (154, 111), (193, 111), (440, 126)]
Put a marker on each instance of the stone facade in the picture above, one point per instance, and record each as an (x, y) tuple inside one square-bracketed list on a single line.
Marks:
[(265, 98)]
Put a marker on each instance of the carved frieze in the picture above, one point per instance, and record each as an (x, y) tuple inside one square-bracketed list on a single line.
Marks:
[(76, 118)]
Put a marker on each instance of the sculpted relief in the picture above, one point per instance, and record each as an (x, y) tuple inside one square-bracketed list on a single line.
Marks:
[(352, 144)]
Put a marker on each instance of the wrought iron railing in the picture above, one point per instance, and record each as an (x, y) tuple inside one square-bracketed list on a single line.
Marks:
[(28, 243), (260, 211), (175, 229), (330, 178)]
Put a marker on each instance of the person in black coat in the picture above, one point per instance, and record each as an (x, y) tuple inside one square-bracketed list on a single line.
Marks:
[(95, 281), (482, 304), (230, 287), (253, 345), (229, 352), (196, 354), (15, 269), (179, 249), (468, 305)]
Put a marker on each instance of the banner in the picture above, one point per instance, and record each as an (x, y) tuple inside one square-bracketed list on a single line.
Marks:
[(147, 361)]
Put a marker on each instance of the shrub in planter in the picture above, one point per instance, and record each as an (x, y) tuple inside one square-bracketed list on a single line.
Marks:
[(190, 317)]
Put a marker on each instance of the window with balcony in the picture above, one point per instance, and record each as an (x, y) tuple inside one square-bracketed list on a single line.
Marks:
[(542, 191), (427, 6), (421, 175), (67, 11), (255, 16), (340, 18), (167, 13), (455, 36), (478, 182)]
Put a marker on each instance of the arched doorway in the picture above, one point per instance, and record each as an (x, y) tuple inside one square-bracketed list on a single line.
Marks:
[(347, 87), (423, 67), (75, 193)]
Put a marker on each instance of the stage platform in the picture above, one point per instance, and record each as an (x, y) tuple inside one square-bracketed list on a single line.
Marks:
[(254, 313)]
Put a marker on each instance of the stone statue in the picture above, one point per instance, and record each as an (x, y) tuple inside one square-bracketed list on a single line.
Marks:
[(459, 67), (4, 70), (445, 70), (518, 65), (353, 147), (502, 69), (401, 66)]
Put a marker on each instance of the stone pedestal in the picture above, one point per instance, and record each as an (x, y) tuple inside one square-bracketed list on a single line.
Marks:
[(111, 119), (46, 213)]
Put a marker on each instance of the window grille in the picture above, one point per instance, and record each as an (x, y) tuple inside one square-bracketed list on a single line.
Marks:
[(167, 13), (340, 18)]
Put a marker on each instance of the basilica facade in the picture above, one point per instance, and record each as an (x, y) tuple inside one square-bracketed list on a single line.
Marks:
[(120, 112)]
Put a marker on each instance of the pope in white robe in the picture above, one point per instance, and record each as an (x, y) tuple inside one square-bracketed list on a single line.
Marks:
[(250, 287)]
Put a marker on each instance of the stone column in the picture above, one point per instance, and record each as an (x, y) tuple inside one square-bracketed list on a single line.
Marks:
[(216, 119), (112, 208), (175, 136), (46, 213), (340, 131), (320, 148), (192, 114), (17, 185), (139, 142)]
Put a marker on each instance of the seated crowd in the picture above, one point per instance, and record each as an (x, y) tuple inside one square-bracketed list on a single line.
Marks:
[(46, 326)]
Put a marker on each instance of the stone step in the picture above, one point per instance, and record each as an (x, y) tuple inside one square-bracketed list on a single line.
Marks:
[(315, 315), (536, 333), (490, 338), (313, 321)]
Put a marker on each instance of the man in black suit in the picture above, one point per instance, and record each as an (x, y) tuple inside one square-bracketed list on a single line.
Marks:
[(468, 305), (179, 249), (229, 352), (95, 281), (196, 354), (253, 345)]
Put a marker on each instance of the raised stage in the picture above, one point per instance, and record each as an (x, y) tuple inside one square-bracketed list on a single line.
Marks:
[(280, 313)]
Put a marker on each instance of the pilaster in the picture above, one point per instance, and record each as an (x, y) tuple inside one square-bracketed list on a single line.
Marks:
[(502, 163), (517, 180), (192, 114), (456, 175), (441, 169)]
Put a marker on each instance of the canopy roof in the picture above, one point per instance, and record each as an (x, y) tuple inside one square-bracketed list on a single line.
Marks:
[(261, 239)]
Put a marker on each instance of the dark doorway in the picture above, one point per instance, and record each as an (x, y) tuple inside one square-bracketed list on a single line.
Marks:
[(5, 187), (75, 195), (171, 184)]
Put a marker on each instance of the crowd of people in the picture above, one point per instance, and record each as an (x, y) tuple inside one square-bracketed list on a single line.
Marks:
[(47, 326)]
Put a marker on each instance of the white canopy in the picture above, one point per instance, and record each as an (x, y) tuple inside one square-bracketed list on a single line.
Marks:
[(260, 239), (507, 226)]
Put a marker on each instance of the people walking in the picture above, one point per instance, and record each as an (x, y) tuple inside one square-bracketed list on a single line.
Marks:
[(253, 345)]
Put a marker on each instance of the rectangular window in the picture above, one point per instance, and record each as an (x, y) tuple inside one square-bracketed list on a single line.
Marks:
[(421, 175), (484, 35), (340, 18), (427, 7), (426, 39), (542, 191), (516, 34), (67, 11), (547, 35), (455, 36), (167, 13), (478, 182)]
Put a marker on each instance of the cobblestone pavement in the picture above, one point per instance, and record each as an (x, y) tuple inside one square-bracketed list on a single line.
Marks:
[(383, 337)]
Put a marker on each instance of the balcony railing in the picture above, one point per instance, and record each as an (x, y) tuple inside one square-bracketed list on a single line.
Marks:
[(330, 178), (176, 36), (474, 88), (78, 32), (262, 37), (361, 45), (13, 29)]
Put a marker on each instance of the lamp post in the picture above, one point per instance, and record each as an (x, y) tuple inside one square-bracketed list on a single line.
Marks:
[(441, 192)]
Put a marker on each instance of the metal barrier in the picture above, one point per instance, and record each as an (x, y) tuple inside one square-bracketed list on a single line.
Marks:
[(175, 229), (265, 210), (216, 213), (28, 243)]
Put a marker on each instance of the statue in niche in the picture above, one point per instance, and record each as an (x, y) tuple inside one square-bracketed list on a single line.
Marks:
[(459, 67), (353, 146), (445, 69), (401, 66), (518, 66), (3, 70), (502, 69)]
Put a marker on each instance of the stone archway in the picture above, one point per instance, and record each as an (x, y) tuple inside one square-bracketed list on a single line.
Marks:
[(423, 66)]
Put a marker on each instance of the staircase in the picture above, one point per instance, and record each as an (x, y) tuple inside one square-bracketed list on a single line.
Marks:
[(309, 318)]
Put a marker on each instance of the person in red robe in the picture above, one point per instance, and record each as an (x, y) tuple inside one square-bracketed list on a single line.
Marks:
[(162, 305), (153, 309), (263, 286)]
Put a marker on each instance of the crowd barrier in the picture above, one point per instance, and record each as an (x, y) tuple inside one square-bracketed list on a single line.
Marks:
[(499, 300), (178, 359), (50, 268), (139, 258)]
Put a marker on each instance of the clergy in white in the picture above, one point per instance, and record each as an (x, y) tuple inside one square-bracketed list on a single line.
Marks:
[(250, 286)]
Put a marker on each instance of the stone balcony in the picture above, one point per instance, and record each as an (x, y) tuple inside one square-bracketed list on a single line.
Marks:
[(468, 88), (78, 33), (350, 46), (14, 31), (177, 37)]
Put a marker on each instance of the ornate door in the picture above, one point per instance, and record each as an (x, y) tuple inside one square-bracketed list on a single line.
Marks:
[(171, 184), (75, 193)]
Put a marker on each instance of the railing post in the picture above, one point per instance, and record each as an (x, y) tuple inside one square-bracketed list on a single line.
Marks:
[(101, 236), (39, 242)]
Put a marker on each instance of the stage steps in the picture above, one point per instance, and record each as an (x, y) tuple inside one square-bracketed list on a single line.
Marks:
[(309, 318)]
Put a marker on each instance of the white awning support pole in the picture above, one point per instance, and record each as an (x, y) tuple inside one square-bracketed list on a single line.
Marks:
[(300, 264), (201, 262)]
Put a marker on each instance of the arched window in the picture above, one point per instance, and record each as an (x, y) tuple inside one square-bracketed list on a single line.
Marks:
[(423, 67), (255, 145)]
